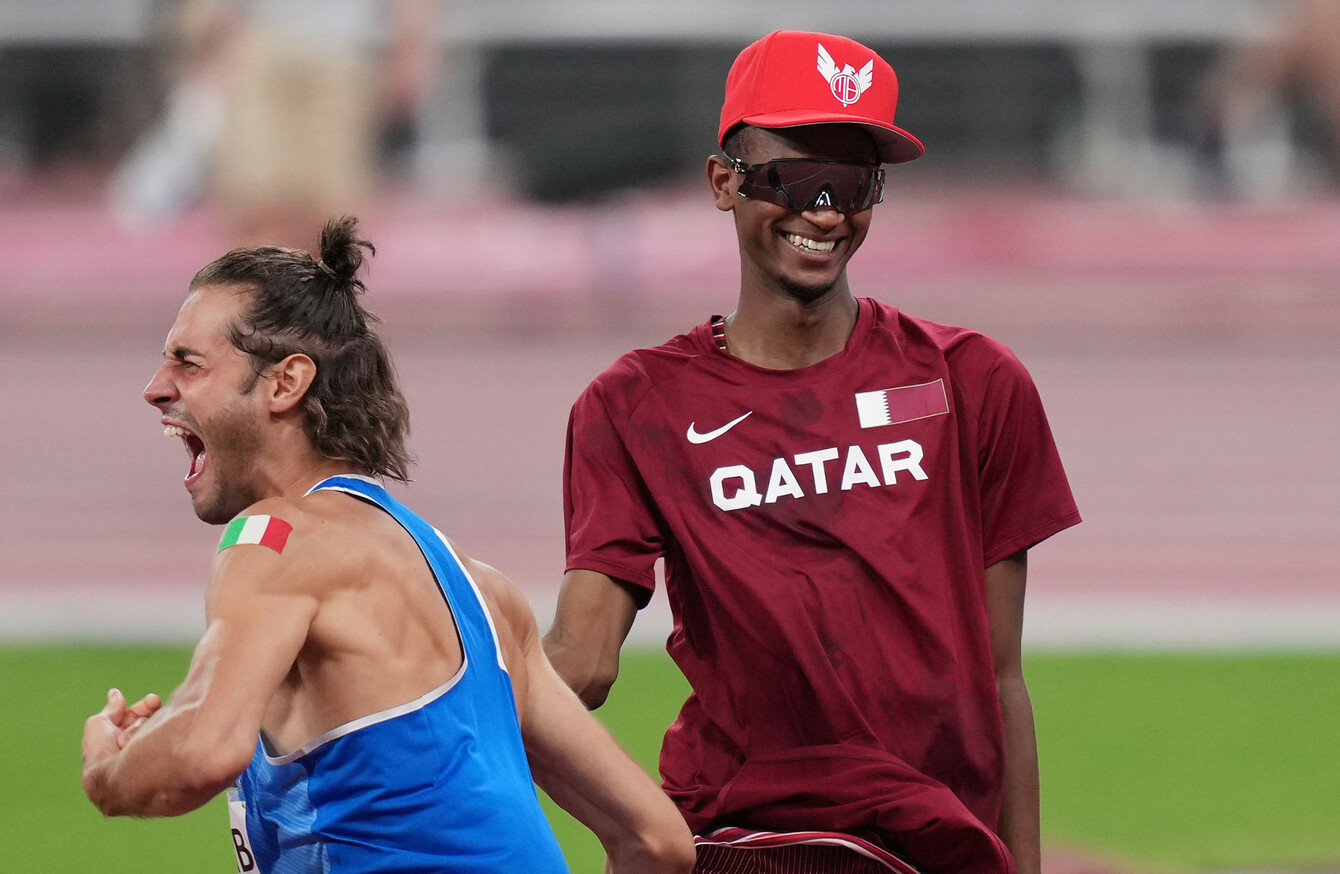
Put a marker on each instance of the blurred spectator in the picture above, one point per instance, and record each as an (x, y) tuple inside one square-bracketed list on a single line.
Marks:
[(1247, 93), (280, 110), (168, 169)]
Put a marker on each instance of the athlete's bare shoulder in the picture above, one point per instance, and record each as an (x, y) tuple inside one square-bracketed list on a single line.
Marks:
[(298, 545), (515, 622)]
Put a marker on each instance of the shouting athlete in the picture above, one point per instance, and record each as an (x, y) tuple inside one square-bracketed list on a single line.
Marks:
[(377, 700), (844, 496)]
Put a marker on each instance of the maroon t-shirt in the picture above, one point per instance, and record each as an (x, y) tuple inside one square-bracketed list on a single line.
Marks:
[(825, 534)]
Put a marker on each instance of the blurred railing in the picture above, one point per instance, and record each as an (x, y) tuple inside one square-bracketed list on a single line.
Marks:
[(484, 22), (1109, 46)]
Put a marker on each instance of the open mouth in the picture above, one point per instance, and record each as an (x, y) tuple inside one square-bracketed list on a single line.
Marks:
[(195, 447)]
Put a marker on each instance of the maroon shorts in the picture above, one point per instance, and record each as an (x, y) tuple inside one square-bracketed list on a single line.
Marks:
[(741, 851)]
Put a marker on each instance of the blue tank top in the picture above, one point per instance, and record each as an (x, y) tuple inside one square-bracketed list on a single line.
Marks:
[(440, 784)]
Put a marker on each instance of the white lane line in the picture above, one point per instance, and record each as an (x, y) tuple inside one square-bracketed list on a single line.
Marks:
[(174, 613)]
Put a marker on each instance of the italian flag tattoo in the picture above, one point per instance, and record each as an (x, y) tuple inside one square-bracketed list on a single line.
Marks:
[(260, 530)]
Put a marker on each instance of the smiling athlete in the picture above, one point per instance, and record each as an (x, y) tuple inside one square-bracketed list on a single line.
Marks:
[(377, 699), (844, 497)]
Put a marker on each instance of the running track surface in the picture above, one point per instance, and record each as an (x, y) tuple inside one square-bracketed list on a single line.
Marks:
[(1188, 357)]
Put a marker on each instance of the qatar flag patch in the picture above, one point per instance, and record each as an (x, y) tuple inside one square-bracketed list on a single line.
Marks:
[(905, 403)]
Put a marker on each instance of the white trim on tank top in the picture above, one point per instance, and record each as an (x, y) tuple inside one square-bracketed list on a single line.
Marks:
[(364, 721), (422, 701)]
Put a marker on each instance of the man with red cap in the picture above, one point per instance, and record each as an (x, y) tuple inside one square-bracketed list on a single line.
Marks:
[(844, 497)]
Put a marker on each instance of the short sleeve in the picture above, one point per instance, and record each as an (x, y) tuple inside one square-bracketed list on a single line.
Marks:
[(609, 522), (1025, 496)]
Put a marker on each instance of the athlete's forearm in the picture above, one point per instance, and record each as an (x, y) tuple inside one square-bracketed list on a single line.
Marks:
[(112, 792), (576, 760), (638, 826), (1019, 817), (1006, 581), (634, 842), (166, 769), (593, 618)]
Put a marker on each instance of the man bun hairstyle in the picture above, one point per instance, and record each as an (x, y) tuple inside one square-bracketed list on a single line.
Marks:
[(354, 410), (342, 251)]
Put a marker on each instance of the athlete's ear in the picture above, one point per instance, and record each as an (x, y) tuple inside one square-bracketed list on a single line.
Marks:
[(289, 381), (725, 187)]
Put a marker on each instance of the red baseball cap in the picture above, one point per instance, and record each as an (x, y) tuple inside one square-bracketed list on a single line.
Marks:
[(791, 78)]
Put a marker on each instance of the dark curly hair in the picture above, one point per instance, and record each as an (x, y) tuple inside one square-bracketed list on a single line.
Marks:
[(354, 410)]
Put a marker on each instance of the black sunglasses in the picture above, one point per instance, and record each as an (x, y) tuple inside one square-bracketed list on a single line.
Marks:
[(805, 183)]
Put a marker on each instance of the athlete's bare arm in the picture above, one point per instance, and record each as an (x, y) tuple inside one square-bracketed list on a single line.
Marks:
[(1019, 817), (595, 614), (346, 621), (576, 760), (258, 613)]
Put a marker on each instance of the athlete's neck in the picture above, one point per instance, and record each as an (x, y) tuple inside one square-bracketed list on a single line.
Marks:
[(294, 479), (319, 472), (786, 334)]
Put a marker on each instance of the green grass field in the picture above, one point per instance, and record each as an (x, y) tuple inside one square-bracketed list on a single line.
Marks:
[(1175, 762)]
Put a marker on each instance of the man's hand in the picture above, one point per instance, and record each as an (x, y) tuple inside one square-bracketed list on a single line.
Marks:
[(136, 715), (111, 728), (102, 730)]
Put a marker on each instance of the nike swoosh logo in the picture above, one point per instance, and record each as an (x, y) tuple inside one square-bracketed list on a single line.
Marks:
[(695, 437)]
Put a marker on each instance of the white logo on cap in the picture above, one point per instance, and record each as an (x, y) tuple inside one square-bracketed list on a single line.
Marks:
[(847, 83)]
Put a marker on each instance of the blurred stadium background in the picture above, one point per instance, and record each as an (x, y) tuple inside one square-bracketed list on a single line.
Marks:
[(1172, 282)]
